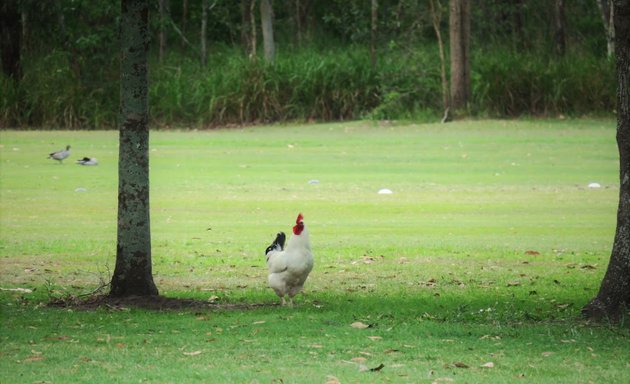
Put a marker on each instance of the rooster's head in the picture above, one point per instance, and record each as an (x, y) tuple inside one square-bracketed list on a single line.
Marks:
[(299, 225)]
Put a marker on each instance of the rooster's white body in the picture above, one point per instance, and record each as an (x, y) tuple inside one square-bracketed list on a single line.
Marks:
[(290, 266)]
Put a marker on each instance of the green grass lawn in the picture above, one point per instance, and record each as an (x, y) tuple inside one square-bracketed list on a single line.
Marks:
[(473, 271)]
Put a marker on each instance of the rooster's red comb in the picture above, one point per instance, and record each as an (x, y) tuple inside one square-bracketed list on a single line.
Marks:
[(299, 218)]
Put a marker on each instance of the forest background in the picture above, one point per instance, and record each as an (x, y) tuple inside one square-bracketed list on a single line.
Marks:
[(334, 60)]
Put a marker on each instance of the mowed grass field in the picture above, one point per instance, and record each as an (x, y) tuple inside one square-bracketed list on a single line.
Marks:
[(473, 270)]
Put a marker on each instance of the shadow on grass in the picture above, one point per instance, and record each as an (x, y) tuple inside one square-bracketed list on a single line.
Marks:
[(151, 303)]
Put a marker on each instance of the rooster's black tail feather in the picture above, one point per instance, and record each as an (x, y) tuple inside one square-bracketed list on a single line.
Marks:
[(278, 243)]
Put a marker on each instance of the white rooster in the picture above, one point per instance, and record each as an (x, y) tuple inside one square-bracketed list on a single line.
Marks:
[(289, 267)]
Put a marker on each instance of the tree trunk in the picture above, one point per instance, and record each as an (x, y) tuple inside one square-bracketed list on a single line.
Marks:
[(298, 23), (266, 22), (133, 275), (373, 34), (303, 24), (246, 43), (204, 27), (606, 10), (518, 27), (252, 18), (459, 27), (184, 22), (164, 8), (436, 16), (614, 293), (560, 28), (10, 39)]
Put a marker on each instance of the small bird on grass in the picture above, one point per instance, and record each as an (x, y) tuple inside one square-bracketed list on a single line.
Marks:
[(60, 155), (87, 161)]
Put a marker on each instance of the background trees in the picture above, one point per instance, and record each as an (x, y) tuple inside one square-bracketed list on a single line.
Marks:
[(326, 56)]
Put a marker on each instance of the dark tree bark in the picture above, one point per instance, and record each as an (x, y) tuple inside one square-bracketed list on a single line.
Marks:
[(10, 39), (133, 275), (459, 31), (266, 22), (560, 34), (613, 298)]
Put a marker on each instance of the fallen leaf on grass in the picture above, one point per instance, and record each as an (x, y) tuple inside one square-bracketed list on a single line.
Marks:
[(21, 290), (513, 283), (459, 364), (195, 353), (547, 354), (35, 358), (489, 364), (532, 253), (332, 380), (484, 337), (359, 325), (375, 338), (61, 338)]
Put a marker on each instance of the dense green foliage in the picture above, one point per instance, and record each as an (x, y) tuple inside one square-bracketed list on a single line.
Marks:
[(485, 253), (70, 64)]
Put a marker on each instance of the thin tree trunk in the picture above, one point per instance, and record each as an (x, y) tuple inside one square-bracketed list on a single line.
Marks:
[(459, 27), (613, 298), (252, 18), (606, 10), (133, 272), (184, 22), (560, 28), (204, 28), (436, 16), (164, 12), (266, 22), (298, 22), (246, 43), (10, 39), (519, 22), (373, 34)]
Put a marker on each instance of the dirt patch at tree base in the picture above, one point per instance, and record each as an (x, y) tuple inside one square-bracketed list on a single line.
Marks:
[(152, 303)]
